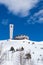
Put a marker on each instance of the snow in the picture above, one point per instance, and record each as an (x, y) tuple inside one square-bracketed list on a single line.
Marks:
[(18, 57)]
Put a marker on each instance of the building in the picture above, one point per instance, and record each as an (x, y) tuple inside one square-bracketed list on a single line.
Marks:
[(21, 37)]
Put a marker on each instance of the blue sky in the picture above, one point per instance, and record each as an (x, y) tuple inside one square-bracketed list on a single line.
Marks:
[(28, 21)]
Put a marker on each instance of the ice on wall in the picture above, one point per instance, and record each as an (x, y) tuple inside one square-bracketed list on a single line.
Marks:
[(21, 52)]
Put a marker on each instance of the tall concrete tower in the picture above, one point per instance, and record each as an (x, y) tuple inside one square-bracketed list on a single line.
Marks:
[(11, 31)]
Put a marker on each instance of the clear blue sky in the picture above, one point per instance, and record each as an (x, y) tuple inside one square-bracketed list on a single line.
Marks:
[(32, 28)]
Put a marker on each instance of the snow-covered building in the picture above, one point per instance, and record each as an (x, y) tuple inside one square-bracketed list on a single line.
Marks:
[(21, 37), (20, 50)]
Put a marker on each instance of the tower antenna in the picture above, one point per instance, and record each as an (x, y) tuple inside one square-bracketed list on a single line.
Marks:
[(11, 31)]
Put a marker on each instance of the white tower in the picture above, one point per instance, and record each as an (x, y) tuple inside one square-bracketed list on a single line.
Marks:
[(11, 31)]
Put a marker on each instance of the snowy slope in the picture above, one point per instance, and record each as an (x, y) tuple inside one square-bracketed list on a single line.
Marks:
[(34, 48)]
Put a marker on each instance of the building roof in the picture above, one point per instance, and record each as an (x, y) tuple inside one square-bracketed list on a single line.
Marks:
[(21, 37)]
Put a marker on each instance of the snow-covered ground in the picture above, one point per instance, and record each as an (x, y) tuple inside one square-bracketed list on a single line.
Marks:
[(19, 57)]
